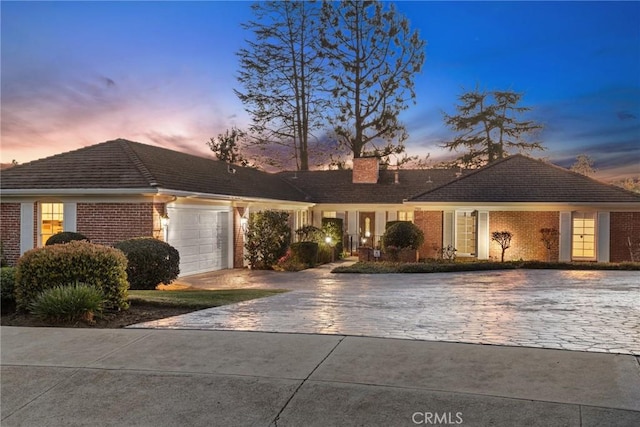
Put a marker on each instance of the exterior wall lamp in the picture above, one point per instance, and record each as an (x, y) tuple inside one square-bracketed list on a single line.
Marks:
[(164, 221), (244, 223)]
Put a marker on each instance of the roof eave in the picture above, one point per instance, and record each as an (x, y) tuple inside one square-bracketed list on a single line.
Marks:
[(77, 191)]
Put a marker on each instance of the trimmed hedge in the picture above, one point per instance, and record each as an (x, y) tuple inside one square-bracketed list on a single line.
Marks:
[(65, 237), (7, 286), (59, 265), (150, 262), (403, 234), (305, 253)]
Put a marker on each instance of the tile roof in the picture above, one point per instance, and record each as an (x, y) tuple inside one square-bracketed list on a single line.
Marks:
[(336, 186), (523, 179), (123, 165)]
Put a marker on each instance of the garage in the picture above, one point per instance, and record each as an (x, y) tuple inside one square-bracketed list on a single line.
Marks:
[(201, 236)]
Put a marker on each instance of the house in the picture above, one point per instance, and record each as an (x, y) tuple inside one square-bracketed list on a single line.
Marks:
[(120, 189)]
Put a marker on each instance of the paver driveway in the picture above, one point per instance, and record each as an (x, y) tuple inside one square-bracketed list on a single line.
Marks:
[(575, 310)]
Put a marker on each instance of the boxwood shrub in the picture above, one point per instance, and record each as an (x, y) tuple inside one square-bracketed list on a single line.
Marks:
[(403, 234), (150, 262), (65, 237), (305, 253), (7, 287), (58, 265)]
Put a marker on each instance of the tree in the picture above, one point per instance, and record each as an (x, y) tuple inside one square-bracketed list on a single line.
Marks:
[(227, 147), (373, 57), (267, 239), (583, 165), (282, 76), (488, 127), (503, 238)]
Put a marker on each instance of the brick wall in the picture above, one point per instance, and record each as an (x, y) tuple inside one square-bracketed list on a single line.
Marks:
[(525, 227), (624, 225), (10, 231), (365, 170), (430, 222), (108, 223)]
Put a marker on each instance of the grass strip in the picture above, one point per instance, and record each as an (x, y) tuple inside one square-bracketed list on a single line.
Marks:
[(198, 298)]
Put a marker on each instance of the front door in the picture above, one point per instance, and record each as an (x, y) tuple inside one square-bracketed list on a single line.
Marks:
[(367, 228)]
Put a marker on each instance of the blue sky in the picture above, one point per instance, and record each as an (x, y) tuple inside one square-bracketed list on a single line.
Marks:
[(78, 73)]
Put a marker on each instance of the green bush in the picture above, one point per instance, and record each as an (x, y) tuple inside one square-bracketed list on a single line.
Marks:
[(150, 262), (333, 227), (7, 286), (65, 237), (309, 233), (305, 253), (68, 303), (403, 234), (267, 238), (58, 265)]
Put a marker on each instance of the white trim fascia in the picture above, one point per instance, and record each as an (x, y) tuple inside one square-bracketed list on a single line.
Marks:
[(526, 206), (360, 207), (77, 191), (235, 199)]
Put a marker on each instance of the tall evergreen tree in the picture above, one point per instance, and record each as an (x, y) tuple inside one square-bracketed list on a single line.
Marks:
[(282, 75), (488, 127), (373, 57)]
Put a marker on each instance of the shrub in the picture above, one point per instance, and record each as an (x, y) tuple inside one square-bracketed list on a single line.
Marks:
[(7, 286), (289, 263), (333, 227), (403, 234), (150, 262), (68, 303), (267, 239), (65, 237), (305, 253), (309, 233), (58, 265)]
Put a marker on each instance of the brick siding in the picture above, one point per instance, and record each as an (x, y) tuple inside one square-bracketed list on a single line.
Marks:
[(430, 222), (624, 226), (10, 231), (526, 242), (108, 223)]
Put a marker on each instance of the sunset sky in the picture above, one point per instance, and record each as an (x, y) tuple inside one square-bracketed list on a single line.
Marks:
[(77, 73)]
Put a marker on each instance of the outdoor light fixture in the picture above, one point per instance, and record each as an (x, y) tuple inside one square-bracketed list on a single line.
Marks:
[(367, 234), (244, 223), (164, 221), (328, 240), (364, 240)]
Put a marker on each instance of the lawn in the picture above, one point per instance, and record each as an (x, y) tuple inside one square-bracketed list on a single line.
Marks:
[(198, 299)]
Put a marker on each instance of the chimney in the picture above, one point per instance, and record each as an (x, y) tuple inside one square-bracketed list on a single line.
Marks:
[(365, 170)]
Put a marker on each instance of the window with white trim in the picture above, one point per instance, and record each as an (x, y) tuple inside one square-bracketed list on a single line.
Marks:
[(51, 220), (405, 216), (584, 236)]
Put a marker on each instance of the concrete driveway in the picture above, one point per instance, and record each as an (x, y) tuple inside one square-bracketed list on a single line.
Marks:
[(597, 311)]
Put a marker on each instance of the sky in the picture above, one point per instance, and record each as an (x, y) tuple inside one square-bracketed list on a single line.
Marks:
[(77, 73)]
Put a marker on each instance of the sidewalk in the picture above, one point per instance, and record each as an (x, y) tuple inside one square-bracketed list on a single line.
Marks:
[(61, 377)]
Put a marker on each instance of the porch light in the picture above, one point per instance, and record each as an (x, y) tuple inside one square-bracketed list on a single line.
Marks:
[(244, 223), (328, 240), (364, 240), (164, 221), (367, 234)]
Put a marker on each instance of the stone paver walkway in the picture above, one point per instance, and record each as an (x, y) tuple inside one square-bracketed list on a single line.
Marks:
[(596, 311)]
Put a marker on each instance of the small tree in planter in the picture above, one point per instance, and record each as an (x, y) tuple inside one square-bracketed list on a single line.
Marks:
[(267, 239), (549, 240), (504, 240)]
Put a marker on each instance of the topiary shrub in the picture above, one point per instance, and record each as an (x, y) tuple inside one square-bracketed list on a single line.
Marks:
[(150, 262), (333, 227), (7, 287), (267, 238), (305, 253), (65, 237), (68, 303), (403, 234), (58, 265)]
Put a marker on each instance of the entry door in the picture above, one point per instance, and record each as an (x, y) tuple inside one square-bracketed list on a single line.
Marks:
[(584, 236), (367, 228)]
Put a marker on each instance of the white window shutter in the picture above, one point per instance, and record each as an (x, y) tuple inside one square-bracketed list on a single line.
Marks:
[(603, 236), (483, 235), (448, 221), (69, 219), (26, 227), (566, 231)]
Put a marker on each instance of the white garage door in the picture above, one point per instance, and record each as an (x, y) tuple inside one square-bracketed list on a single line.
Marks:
[(201, 236)]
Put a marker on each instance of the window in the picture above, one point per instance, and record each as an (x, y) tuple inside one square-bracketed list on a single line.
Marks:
[(584, 236), (51, 220), (466, 236), (329, 214), (405, 216)]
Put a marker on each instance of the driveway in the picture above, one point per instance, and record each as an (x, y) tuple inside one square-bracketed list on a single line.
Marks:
[(597, 311)]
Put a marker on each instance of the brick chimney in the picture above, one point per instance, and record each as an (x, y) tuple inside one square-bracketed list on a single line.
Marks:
[(365, 170)]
